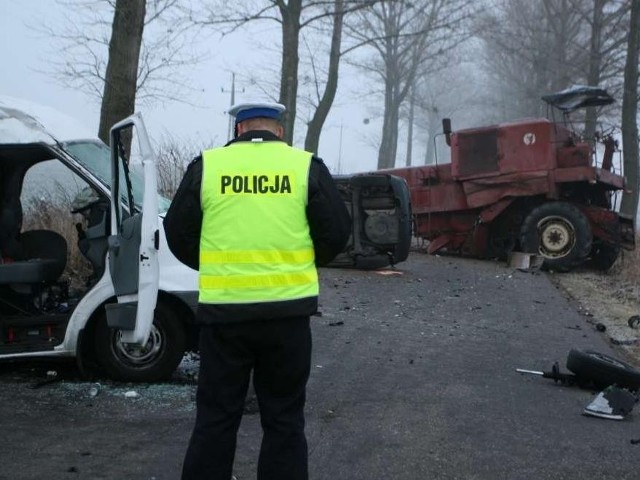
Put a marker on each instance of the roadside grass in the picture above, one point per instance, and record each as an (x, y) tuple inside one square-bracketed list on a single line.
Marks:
[(629, 268)]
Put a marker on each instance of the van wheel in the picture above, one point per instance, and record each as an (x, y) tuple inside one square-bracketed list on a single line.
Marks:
[(156, 360), (560, 233)]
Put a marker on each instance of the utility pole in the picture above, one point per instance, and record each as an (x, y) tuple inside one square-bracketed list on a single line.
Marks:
[(232, 102), (340, 149)]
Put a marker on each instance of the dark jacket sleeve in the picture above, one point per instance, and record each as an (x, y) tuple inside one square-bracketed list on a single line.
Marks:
[(329, 220), (183, 221)]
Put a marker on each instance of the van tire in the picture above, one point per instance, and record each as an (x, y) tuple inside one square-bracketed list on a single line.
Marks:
[(156, 361)]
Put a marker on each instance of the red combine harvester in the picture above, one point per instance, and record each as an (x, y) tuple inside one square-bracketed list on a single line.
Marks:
[(531, 185)]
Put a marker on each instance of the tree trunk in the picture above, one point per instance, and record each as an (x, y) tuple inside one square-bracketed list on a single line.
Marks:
[(595, 59), (431, 155), (290, 60), (410, 127), (314, 129), (389, 143), (629, 205), (118, 100)]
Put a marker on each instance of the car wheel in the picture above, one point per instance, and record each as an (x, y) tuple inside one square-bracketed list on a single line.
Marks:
[(560, 233), (154, 361), (603, 370)]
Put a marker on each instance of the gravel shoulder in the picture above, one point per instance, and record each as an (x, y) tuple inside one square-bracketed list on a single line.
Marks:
[(606, 301)]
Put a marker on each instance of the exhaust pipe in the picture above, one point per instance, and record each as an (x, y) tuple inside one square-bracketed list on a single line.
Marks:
[(446, 129)]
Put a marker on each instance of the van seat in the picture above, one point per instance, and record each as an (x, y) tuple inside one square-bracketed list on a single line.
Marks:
[(45, 256)]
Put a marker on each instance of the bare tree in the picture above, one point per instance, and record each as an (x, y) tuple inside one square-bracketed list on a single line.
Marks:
[(535, 47), (606, 21), (325, 101), (84, 46), (293, 16), (595, 61), (174, 156), (629, 204), (118, 100), (409, 39)]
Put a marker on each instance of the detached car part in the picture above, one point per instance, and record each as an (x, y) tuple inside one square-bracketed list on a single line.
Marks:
[(592, 368)]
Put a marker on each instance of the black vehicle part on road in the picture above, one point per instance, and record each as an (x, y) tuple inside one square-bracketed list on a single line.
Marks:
[(604, 255), (558, 231), (157, 360), (603, 370)]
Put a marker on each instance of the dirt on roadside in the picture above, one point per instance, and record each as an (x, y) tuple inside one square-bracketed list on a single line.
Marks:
[(608, 301)]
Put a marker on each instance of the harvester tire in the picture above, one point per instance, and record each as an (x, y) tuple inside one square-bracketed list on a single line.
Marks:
[(559, 232)]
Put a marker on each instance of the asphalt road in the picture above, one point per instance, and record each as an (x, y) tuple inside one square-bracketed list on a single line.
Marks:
[(413, 378)]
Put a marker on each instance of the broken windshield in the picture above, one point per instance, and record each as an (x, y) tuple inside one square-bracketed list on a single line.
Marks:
[(96, 157)]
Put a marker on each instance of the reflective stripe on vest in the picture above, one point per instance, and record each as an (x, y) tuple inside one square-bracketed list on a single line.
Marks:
[(255, 244)]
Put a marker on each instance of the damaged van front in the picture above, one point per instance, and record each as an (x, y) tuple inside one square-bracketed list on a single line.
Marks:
[(79, 272)]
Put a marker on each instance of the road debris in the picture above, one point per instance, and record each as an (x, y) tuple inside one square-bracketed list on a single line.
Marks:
[(613, 403), (94, 390), (389, 272), (525, 262), (554, 374), (634, 321), (131, 394), (52, 377)]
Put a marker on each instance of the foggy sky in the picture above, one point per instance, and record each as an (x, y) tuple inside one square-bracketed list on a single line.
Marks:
[(348, 142)]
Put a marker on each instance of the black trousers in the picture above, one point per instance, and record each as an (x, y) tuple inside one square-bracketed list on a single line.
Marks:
[(279, 352)]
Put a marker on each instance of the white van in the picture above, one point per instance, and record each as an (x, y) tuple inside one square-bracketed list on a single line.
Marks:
[(72, 260), (56, 183)]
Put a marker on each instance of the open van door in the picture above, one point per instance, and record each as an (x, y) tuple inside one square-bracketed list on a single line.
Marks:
[(134, 237)]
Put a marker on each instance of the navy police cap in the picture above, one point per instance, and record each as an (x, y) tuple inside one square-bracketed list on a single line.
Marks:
[(245, 111)]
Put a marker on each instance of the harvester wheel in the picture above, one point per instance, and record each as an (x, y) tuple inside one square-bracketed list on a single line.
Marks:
[(560, 233)]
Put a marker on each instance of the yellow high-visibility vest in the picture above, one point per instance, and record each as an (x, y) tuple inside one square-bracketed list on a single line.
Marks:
[(255, 244)]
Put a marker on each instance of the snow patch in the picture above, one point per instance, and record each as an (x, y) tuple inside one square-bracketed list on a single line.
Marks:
[(22, 121)]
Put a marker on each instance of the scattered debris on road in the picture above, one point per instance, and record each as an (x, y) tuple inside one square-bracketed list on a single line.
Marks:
[(619, 380), (613, 403), (94, 390), (52, 377)]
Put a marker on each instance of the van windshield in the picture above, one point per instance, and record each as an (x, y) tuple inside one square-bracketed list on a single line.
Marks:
[(95, 156)]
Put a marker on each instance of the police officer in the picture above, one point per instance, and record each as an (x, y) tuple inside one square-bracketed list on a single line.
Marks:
[(255, 217)]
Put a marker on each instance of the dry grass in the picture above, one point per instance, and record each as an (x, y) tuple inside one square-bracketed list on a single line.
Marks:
[(629, 265), (626, 272), (41, 214)]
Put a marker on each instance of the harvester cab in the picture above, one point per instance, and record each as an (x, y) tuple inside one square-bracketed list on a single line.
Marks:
[(577, 98)]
